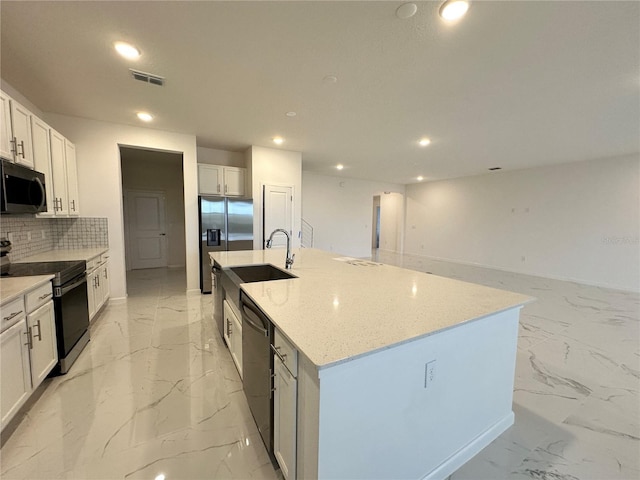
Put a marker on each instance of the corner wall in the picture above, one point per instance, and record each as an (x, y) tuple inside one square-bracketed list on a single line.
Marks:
[(340, 210), (577, 221), (99, 182)]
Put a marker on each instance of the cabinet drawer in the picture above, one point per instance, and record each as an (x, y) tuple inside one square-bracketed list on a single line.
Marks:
[(287, 351), (12, 312), (92, 264), (39, 296)]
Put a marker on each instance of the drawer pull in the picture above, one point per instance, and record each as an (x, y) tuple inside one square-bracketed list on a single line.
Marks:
[(12, 315), (39, 335), (46, 295), (281, 356), (29, 339)]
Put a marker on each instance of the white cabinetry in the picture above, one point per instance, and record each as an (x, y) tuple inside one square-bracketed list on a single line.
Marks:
[(233, 334), (219, 180), (15, 136), (42, 159), (72, 177), (64, 175), (28, 347), (98, 290), (285, 400)]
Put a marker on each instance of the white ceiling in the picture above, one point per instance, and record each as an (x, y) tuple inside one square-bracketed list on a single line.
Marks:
[(513, 84)]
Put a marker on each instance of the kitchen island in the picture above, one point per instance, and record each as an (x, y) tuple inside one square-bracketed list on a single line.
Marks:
[(400, 374)]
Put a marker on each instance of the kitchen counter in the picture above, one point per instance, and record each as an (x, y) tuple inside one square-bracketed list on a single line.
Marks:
[(14, 287), (85, 254), (400, 374), (340, 308)]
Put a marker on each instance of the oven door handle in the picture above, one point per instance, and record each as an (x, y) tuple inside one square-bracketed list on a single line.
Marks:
[(79, 280)]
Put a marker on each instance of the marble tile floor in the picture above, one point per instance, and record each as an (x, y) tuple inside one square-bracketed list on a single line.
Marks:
[(576, 394), (156, 392)]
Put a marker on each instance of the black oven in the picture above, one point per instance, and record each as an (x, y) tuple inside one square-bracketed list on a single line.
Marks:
[(70, 303), (22, 190)]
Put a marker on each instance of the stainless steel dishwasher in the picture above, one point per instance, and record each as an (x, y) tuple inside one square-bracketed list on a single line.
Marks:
[(257, 366)]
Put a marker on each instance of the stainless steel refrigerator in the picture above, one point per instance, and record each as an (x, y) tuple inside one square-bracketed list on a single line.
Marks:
[(225, 224)]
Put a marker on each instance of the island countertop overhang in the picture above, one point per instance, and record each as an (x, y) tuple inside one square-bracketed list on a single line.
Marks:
[(339, 309)]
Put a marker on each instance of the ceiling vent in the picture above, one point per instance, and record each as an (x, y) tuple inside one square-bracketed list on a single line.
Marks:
[(147, 77)]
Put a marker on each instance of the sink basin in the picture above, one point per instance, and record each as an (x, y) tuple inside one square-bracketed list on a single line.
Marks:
[(260, 273)]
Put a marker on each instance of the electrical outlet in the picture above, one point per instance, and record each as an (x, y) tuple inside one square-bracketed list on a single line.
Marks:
[(44, 234), (28, 236), (429, 373)]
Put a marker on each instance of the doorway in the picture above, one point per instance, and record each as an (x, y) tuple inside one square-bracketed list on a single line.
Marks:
[(277, 213), (154, 219), (375, 231)]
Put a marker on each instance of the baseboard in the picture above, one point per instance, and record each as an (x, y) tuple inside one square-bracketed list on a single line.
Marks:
[(520, 272), (193, 291), (176, 266), (469, 451)]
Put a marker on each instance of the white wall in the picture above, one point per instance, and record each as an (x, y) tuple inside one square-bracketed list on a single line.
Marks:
[(99, 178), (577, 221), (391, 222), (214, 156), (340, 210), (271, 166)]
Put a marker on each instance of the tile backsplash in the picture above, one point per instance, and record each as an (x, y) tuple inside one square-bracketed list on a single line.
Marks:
[(31, 235)]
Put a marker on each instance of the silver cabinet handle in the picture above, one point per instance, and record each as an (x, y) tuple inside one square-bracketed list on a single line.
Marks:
[(29, 339), (73, 205), (106, 274), (46, 295), (22, 145), (281, 356), (14, 148), (12, 315), (218, 188), (39, 336), (229, 332), (226, 188)]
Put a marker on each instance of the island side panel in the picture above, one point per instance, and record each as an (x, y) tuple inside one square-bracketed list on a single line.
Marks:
[(377, 419), (308, 419)]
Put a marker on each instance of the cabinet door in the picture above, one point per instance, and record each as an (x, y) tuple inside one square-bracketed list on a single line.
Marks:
[(44, 352), (234, 181), (106, 288), (92, 286), (284, 418), (72, 177), (209, 179), (16, 373), (59, 173), (227, 323), (21, 122), (42, 158), (236, 342), (6, 134)]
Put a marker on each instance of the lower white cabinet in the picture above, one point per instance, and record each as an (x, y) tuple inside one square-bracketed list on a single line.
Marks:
[(15, 369), (285, 401), (233, 335), (98, 290), (28, 348), (41, 327)]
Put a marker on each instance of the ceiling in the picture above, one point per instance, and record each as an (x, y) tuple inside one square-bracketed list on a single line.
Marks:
[(513, 84)]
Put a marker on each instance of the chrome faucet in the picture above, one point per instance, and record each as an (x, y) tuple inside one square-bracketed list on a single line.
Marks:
[(289, 261)]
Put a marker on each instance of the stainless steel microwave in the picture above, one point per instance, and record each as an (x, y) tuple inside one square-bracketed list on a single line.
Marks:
[(22, 190)]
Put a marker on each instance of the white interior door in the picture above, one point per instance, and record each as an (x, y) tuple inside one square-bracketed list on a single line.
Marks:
[(278, 213), (146, 227)]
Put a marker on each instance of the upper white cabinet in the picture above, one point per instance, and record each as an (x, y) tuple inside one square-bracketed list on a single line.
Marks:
[(72, 177), (42, 159), (219, 180), (15, 136), (59, 174)]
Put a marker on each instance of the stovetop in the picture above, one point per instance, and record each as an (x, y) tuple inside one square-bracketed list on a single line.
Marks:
[(63, 271)]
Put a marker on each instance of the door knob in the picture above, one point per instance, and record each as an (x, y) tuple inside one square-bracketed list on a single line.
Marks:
[(162, 234)]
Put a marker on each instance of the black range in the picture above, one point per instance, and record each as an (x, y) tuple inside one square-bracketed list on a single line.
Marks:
[(70, 303)]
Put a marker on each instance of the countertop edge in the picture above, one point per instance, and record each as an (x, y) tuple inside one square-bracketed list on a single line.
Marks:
[(37, 281)]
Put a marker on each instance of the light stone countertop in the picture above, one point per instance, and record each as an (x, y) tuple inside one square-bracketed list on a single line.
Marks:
[(338, 310), (85, 254), (14, 287)]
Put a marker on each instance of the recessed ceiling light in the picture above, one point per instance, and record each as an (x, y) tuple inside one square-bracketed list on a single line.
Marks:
[(291, 114), (407, 10), (339, 166), (424, 142), (454, 9), (127, 51), (278, 140), (144, 116), (420, 178), (330, 79)]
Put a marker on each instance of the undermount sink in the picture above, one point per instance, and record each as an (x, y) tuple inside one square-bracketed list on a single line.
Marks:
[(260, 273)]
